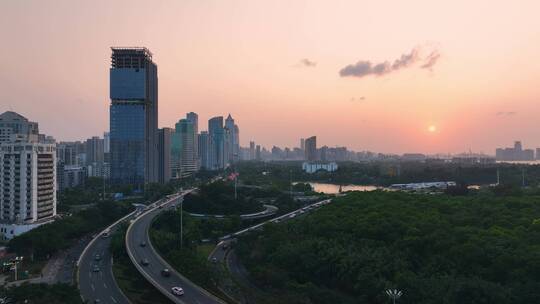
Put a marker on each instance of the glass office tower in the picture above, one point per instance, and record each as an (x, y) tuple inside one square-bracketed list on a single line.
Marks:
[(217, 143), (133, 117)]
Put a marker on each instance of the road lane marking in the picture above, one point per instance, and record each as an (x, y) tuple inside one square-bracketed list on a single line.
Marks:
[(93, 288), (114, 300), (105, 285)]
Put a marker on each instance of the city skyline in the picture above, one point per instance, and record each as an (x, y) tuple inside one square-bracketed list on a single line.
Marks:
[(436, 88)]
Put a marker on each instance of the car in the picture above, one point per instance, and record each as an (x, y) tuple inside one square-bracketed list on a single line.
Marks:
[(145, 262), (177, 291), (97, 301), (95, 268), (214, 260), (143, 244), (160, 207), (224, 247), (97, 257), (166, 273)]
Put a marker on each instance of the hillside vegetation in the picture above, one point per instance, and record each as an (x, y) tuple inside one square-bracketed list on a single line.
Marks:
[(437, 249)]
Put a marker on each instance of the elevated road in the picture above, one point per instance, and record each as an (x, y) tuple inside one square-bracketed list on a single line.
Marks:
[(139, 248), (99, 283)]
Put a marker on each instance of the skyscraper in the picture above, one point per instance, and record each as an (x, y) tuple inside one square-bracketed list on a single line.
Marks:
[(133, 116), (164, 154), (232, 142), (311, 148), (186, 136), (194, 119), (204, 150), (217, 143), (251, 150), (27, 176)]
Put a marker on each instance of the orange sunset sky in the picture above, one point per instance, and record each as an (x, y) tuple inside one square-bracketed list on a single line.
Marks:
[(387, 76)]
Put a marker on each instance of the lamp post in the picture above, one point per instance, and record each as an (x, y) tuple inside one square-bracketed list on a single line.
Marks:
[(181, 201), (14, 264), (394, 294)]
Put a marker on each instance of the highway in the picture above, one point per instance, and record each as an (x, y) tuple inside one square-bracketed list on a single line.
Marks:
[(99, 285), (138, 233), (224, 253)]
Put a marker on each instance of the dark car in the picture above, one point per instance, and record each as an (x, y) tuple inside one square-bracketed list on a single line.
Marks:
[(96, 268), (166, 273), (97, 257), (145, 262), (143, 244)]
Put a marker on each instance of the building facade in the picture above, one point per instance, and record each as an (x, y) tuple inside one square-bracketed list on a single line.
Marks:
[(217, 143), (13, 124), (310, 148), (133, 117), (204, 152), (164, 154), (28, 186)]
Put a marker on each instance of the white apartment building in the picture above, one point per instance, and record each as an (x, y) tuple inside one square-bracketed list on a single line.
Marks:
[(27, 186)]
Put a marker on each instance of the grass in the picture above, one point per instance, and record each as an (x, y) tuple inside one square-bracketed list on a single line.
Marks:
[(205, 249), (134, 285)]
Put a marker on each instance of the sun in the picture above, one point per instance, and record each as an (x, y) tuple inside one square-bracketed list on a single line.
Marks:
[(432, 129)]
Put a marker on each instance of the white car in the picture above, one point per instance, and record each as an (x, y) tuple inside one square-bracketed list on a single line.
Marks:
[(177, 291)]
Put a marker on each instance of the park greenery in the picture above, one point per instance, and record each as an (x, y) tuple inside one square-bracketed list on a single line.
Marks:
[(476, 248), (182, 253), (219, 198), (41, 293), (128, 278), (44, 241)]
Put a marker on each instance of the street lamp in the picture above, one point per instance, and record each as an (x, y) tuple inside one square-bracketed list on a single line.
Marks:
[(394, 294), (13, 263)]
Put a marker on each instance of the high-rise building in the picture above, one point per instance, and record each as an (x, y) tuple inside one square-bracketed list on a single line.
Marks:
[(232, 142), (251, 150), (258, 153), (13, 125), (94, 150), (133, 116), (27, 177), (217, 143), (236, 143), (164, 154), (204, 150), (194, 119), (183, 145), (311, 148), (302, 144)]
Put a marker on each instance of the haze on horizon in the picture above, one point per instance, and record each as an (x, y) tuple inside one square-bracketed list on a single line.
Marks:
[(386, 76)]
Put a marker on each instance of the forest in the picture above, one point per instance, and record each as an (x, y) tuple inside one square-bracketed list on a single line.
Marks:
[(218, 198), (482, 248), (383, 173)]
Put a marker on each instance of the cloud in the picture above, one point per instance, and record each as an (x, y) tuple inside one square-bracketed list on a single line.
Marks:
[(431, 60), (307, 63), (505, 113), (365, 67), (361, 98)]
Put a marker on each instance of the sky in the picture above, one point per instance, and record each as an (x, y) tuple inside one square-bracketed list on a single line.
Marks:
[(386, 76)]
